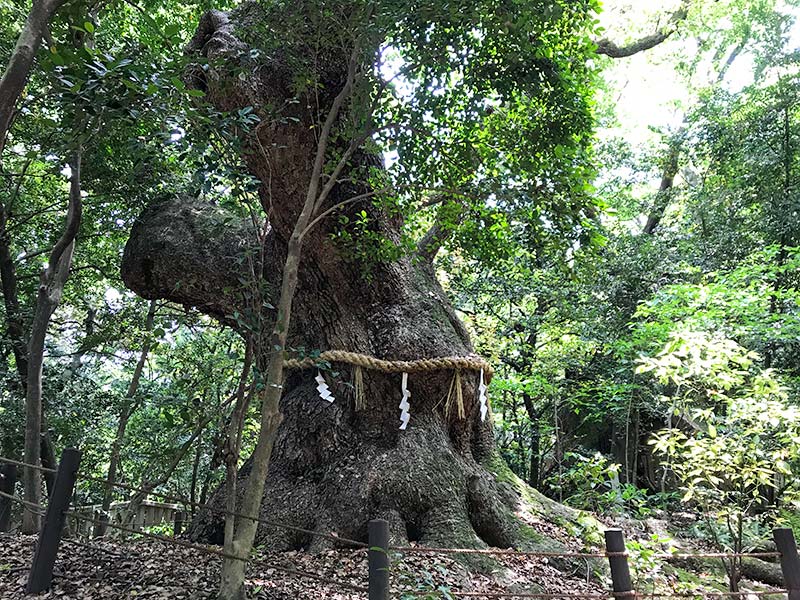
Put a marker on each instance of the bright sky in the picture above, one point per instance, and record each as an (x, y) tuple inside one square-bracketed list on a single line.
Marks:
[(645, 88)]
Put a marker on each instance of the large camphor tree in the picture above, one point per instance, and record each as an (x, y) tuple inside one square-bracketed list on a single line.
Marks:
[(484, 110)]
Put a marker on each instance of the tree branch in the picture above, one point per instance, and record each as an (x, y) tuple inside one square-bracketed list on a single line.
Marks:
[(430, 243), (609, 48), (19, 65), (449, 206), (189, 252), (54, 264), (667, 180)]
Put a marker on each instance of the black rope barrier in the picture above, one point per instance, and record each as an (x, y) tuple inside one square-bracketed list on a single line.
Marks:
[(91, 547), (666, 555), (500, 552), (541, 596), (219, 511), (595, 596), (37, 508), (17, 463), (611, 555), (712, 594)]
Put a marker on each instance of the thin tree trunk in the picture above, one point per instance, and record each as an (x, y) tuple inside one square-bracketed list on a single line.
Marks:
[(51, 287), (48, 457), (128, 408), (198, 453), (662, 197), (234, 441), (635, 468), (149, 485), (15, 329), (205, 487), (534, 473), (233, 570), (534, 416), (19, 65)]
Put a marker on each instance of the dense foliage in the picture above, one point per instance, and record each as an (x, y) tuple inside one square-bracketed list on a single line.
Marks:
[(639, 366)]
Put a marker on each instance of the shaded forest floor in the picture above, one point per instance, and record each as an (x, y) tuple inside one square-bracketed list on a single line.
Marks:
[(147, 569), (153, 570)]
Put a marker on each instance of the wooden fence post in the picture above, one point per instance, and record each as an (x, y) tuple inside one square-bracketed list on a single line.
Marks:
[(41, 575), (790, 563), (8, 477), (378, 559), (178, 526), (618, 561)]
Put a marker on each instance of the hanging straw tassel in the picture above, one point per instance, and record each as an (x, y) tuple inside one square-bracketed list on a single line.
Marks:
[(462, 413), (358, 388), (455, 395)]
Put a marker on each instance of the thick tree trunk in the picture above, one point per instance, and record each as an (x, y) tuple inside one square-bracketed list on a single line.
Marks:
[(333, 466)]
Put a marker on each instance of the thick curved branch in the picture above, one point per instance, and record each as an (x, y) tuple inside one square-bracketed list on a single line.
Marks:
[(430, 243), (60, 258), (448, 212), (196, 254), (609, 48)]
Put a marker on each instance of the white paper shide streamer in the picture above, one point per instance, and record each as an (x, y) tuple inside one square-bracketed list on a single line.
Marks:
[(482, 398), (405, 416), (323, 389)]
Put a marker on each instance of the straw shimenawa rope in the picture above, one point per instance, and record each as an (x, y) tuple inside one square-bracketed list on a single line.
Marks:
[(471, 362)]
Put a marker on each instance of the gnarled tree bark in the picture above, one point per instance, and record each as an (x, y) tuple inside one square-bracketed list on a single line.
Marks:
[(333, 467)]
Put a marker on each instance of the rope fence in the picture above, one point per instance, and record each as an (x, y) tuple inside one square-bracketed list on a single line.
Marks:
[(542, 596), (17, 463), (498, 552), (588, 596), (219, 511), (216, 552), (94, 547), (37, 508), (379, 554), (757, 593)]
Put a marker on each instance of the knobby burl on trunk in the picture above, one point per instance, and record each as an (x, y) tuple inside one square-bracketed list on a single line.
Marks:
[(334, 467)]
